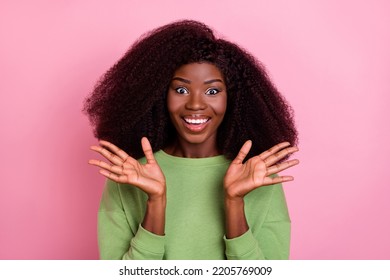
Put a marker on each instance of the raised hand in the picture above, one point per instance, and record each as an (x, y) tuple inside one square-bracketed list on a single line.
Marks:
[(241, 178), (125, 169)]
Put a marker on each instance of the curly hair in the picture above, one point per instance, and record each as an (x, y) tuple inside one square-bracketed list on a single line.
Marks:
[(129, 101)]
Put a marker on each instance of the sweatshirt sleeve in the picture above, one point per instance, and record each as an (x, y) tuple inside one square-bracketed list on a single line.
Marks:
[(120, 234), (268, 236)]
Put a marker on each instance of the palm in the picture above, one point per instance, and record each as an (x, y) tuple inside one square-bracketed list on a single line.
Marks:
[(124, 169), (147, 177), (241, 178)]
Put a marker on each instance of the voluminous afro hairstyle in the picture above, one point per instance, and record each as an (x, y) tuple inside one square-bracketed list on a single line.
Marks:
[(129, 101)]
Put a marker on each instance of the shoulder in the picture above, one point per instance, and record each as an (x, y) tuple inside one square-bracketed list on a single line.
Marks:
[(264, 194), (116, 195), (268, 200)]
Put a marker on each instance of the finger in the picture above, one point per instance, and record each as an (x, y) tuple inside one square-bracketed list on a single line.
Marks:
[(273, 150), (122, 154), (281, 166), (113, 168), (280, 155), (113, 176), (243, 152), (108, 155), (147, 148), (277, 180)]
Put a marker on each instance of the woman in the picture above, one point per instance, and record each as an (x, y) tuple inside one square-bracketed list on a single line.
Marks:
[(214, 132)]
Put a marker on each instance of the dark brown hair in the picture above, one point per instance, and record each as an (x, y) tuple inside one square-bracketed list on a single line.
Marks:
[(129, 101)]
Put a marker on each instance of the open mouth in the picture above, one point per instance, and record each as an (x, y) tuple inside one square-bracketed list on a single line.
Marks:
[(196, 121), (196, 124)]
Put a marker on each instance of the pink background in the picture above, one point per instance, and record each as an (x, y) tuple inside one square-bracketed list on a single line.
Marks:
[(331, 60)]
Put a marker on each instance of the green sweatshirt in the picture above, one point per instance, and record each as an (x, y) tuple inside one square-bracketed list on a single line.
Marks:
[(194, 226)]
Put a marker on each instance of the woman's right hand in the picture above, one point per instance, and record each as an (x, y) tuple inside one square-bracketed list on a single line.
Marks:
[(124, 169)]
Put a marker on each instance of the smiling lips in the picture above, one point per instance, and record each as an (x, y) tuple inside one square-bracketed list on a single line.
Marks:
[(196, 124)]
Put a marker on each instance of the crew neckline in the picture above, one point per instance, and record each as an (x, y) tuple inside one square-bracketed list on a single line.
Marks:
[(214, 160)]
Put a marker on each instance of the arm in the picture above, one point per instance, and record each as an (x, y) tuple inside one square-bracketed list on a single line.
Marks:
[(146, 177), (241, 179), (120, 234), (268, 236)]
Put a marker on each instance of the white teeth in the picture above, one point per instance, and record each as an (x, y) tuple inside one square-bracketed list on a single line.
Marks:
[(196, 121)]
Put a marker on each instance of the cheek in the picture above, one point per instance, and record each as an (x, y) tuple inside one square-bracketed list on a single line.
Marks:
[(220, 107), (172, 103)]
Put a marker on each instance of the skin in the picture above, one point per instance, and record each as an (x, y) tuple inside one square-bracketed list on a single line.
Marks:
[(197, 93)]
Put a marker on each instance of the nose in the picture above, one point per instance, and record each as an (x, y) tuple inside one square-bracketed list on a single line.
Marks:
[(196, 102)]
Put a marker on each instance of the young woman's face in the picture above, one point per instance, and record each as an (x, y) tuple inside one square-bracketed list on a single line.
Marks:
[(197, 102)]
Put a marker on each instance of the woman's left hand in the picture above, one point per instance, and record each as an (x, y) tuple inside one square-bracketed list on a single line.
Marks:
[(241, 178)]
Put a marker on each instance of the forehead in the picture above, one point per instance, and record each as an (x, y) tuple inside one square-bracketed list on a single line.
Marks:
[(198, 71)]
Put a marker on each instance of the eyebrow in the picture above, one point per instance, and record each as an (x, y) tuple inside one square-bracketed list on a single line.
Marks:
[(189, 82)]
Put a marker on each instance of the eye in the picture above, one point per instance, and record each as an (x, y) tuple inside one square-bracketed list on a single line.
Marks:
[(181, 90), (212, 91)]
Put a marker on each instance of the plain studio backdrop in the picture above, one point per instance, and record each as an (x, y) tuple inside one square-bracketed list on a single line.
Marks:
[(330, 59)]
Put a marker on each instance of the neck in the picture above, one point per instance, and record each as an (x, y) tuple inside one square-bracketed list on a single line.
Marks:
[(191, 150)]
